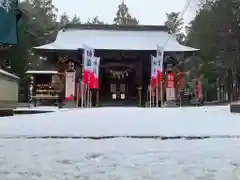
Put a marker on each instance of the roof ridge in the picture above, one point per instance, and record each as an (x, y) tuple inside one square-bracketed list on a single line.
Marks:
[(117, 27)]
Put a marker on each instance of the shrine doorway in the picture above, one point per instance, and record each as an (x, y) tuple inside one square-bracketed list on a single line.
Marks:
[(118, 86)]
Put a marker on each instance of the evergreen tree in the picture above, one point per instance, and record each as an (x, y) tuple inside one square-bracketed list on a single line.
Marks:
[(75, 20), (175, 26), (64, 19), (95, 20), (123, 17), (215, 30)]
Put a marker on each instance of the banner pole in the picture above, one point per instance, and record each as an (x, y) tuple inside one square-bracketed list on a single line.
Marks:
[(90, 98), (161, 93), (150, 94), (82, 94), (77, 95), (97, 98), (181, 99), (88, 94), (157, 90), (147, 96), (153, 100), (82, 82), (85, 95), (150, 87)]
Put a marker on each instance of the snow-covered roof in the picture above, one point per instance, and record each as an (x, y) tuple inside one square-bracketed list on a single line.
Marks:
[(8, 74), (118, 38), (41, 72)]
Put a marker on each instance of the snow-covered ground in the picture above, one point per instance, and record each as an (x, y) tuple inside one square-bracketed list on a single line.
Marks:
[(123, 159), (99, 122), (38, 108)]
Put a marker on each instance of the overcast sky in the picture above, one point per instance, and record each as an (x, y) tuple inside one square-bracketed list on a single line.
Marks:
[(150, 12)]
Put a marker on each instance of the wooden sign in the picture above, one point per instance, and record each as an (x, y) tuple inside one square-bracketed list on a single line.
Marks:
[(170, 87), (70, 85)]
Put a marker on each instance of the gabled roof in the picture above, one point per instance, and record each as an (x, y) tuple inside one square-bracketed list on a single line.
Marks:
[(112, 37)]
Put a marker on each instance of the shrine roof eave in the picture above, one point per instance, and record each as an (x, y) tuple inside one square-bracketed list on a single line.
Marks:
[(3, 72), (52, 47), (73, 39), (41, 72), (49, 48)]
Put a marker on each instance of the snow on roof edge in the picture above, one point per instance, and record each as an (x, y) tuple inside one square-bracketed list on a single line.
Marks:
[(8, 74), (41, 72), (52, 46)]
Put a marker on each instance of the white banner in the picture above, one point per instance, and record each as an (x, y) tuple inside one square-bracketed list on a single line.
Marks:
[(160, 56), (88, 57), (95, 67), (153, 67), (70, 84)]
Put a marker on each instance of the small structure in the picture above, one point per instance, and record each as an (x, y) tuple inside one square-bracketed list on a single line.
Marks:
[(44, 87), (235, 107), (9, 87), (125, 66)]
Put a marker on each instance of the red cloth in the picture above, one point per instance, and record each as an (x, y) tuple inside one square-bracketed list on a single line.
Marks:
[(181, 82), (70, 98), (88, 78), (198, 89), (96, 83), (159, 77)]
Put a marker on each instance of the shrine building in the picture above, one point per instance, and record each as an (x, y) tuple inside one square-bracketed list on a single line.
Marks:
[(125, 66)]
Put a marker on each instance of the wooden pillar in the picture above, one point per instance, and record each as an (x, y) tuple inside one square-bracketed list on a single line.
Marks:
[(61, 66), (97, 97), (181, 87), (31, 90), (140, 86)]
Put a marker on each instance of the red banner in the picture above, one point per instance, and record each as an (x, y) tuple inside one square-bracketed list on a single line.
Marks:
[(181, 82), (88, 78), (158, 79), (95, 68), (198, 89), (88, 59), (95, 82)]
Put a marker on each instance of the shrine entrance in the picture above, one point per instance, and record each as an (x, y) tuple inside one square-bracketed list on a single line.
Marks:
[(118, 86)]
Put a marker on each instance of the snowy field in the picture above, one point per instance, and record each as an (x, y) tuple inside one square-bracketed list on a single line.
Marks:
[(64, 155), (122, 122), (119, 159)]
